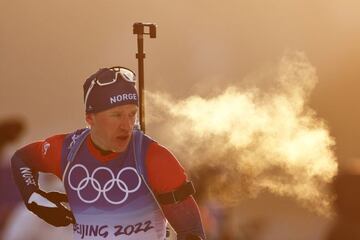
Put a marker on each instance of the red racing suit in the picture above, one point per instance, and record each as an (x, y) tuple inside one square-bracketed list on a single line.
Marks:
[(109, 198)]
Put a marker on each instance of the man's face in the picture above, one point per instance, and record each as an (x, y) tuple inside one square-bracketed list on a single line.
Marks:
[(111, 129)]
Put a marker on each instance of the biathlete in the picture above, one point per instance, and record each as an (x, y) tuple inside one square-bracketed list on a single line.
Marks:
[(119, 183)]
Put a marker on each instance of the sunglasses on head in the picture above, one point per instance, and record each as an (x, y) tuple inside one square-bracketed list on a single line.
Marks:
[(107, 76)]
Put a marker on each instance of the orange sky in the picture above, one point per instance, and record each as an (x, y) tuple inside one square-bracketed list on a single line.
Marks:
[(48, 48)]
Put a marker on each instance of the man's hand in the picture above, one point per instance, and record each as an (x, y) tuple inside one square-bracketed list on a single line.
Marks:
[(49, 207)]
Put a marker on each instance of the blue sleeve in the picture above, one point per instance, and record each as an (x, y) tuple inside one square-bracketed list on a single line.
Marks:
[(185, 218)]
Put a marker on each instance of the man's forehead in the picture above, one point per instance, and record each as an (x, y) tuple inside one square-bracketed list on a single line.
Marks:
[(123, 108)]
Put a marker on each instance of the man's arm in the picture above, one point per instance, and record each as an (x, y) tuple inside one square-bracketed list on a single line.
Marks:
[(40, 156), (185, 218), (167, 177), (25, 175), (26, 163)]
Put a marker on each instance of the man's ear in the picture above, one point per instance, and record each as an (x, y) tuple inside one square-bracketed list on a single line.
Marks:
[(89, 118)]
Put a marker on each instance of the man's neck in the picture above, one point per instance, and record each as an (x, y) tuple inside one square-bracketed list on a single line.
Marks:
[(102, 151)]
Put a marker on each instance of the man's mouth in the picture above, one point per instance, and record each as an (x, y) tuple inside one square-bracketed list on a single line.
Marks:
[(123, 137)]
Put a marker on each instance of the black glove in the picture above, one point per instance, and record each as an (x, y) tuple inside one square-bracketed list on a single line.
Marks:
[(57, 214)]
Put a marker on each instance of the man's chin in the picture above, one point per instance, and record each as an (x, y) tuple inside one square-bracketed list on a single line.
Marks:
[(120, 145)]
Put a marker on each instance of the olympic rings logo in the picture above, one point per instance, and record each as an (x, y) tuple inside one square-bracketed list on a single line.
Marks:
[(106, 187)]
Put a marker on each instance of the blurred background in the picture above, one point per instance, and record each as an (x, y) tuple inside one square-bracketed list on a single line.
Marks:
[(306, 52)]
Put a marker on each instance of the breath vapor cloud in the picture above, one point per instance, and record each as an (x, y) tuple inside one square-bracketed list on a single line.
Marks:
[(254, 139)]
